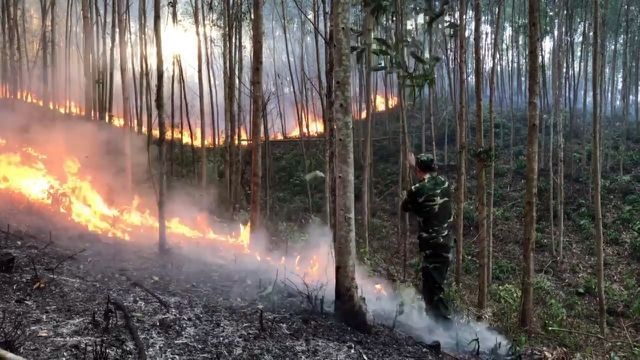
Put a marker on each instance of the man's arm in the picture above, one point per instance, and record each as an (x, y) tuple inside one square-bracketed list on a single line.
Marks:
[(409, 201)]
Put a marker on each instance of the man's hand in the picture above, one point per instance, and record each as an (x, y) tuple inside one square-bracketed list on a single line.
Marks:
[(411, 159)]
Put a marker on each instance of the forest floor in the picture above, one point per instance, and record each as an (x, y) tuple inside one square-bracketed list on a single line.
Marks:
[(60, 302)]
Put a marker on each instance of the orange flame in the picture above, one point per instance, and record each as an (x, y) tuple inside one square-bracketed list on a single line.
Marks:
[(312, 125), (379, 289), (380, 104), (25, 171)]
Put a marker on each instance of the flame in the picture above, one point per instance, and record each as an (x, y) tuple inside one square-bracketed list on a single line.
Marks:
[(25, 171), (379, 289), (312, 125), (28, 172), (380, 104)]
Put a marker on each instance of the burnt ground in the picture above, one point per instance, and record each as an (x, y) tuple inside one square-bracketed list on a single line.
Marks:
[(58, 302)]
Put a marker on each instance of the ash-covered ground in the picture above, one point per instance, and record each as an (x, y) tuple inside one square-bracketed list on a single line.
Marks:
[(59, 302)]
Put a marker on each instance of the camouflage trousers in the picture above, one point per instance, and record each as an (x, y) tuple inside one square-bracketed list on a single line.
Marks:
[(435, 264)]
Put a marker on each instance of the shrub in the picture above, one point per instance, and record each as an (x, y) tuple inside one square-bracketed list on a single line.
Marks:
[(508, 298), (554, 314), (502, 270)]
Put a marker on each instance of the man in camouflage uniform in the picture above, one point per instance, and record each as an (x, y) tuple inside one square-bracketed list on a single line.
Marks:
[(430, 201)]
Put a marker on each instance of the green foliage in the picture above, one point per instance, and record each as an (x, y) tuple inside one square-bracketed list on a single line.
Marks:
[(469, 213), (589, 286), (543, 286), (553, 314), (508, 299), (520, 165), (503, 270)]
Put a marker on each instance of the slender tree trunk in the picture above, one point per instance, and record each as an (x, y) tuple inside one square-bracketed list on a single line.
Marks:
[(560, 123), (481, 195), (256, 112), (112, 61), (203, 138), (595, 163), (45, 60), (492, 141), (403, 217), (162, 236), (347, 303), (366, 194), (88, 74), (54, 55), (461, 139), (625, 91), (126, 116), (526, 313)]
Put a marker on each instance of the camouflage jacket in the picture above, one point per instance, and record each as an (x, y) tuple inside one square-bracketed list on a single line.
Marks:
[(430, 201)]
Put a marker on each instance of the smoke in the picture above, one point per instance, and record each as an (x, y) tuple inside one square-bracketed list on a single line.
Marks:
[(400, 307)]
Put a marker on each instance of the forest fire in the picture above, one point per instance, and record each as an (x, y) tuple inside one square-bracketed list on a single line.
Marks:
[(312, 125), (27, 172)]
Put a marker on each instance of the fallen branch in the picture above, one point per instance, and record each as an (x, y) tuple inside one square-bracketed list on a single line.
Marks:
[(578, 332), (5, 355), (142, 355), (150, 292)]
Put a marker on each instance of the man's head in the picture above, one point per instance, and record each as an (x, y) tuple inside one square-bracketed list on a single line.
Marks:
[(425, 164)]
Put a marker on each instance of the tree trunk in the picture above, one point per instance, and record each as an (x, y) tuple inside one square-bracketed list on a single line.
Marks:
[(162, 236), (88, 74), (526, 313), (366, 194), (560, 123), (480, 162), (492, 142), (461, 139), (595, 166), (203, 138), (348, 306), (256, 113), (126, 116)]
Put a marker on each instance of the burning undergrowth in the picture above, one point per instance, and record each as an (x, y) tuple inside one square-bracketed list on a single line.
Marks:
[(80, 171)]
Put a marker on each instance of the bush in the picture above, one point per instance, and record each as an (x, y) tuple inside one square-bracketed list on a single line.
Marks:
[(554, 314), (508, 298), (589, 286), (503, 269)]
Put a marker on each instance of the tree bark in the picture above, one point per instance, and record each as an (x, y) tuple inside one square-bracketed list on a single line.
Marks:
[(348, 306), (256, 113), (203, 138), (461, 138), (366, 176), (122, 5), (492, 141), (595, 168), (480, 162), (526, 313), (88, 74), (162, 236)]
